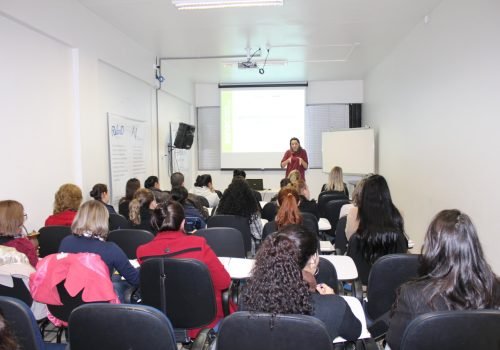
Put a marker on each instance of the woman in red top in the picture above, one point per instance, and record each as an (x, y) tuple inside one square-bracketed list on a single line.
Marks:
[(295, 158), (11, 229), (168, 219), (66, 203)]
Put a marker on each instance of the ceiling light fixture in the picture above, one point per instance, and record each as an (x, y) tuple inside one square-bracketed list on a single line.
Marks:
[(210, 4)]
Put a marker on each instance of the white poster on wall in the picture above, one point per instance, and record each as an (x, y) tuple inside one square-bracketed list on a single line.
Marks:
[(127, 153)]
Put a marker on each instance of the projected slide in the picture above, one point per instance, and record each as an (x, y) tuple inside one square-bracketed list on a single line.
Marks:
[(257, 124)]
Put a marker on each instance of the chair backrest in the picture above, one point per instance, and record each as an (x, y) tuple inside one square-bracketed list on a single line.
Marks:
[(50, 238), (325, 197), (117, 221), (386, 275), (340, 236), (238, 222), (248, 331), (332, 211), (180, 288), (310, 222), (119, 326), (19, 290), (327, 274), (22, 323), (69, 303), (224, 241), (129, 239), (457, 330)]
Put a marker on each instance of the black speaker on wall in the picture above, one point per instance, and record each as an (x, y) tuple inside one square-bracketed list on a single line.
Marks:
[(185, 136), (355, 115)]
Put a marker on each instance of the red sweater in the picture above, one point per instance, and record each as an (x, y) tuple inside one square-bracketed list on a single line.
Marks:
[(176, 241), (64, 218), (295, 164)]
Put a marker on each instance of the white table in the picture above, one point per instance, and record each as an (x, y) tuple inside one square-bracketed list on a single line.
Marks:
[(357, 310), (324, 224), (267, 195), (326, 247), (344, 265), (238, 268)]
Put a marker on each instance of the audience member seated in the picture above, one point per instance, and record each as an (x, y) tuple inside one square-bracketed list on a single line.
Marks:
[(172, 241), (381, 227), (177, 180), (454, 275), (336, 182), (67, 200), (271, 208), (140, 209), (12, 218), (351, 210), (192, 211), (90, 230), (100, 193), (239, 200), (152, 184), (243, 174), (306, 204), (130, 188), (277, 285), (204, 187), (294, 177), (288, 212)]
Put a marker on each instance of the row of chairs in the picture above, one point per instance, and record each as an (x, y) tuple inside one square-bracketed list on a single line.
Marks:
[(110, 326)]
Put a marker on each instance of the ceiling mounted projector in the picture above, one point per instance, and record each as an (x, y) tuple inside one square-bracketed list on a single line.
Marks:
[(247, 65)]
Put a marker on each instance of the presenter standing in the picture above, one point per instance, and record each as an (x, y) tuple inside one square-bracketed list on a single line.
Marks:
[(295, 158)]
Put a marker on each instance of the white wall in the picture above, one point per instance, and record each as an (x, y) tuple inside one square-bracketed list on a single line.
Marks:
[(173, 109), (434, 101), (318, 92), (37, 137), (62, 69)]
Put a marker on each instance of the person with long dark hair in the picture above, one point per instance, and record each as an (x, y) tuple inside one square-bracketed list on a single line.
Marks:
[(100, 193), (130, 188), (238, 199), (168, 219), (277, 284), (381, 227), (454, 275), (295, 158)]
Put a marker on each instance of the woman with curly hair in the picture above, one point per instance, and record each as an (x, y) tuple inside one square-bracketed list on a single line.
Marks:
[(238, 199), (67, 200), (288, 211), (454, 275), (141, 208), (381, 228), (276, 286)]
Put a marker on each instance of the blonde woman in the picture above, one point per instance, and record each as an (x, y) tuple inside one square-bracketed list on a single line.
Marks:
[(12, 218), (140, 210), (66, 202), (294, 177), (336, 182), (90, 231)]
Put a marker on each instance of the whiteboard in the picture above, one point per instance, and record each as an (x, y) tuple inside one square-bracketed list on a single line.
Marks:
[(127, 152), (353, 150)]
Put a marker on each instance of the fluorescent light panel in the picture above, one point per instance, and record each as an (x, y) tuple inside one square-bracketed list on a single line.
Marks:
[(210, 4)]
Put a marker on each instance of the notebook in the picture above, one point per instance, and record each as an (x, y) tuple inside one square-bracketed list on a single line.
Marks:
[(256, 184)]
